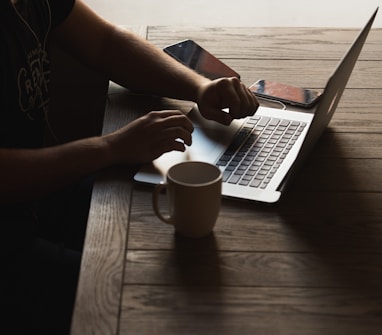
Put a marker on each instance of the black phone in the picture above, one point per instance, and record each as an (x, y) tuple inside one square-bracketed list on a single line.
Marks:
[(292, 95), (200, 60)]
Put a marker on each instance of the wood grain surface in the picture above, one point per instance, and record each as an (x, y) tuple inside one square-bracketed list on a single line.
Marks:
[(310, 264)]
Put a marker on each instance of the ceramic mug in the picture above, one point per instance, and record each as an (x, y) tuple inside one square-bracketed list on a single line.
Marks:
[(193, 197)]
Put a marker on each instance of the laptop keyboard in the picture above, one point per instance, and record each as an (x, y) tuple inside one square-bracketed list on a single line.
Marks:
[(258, 150)]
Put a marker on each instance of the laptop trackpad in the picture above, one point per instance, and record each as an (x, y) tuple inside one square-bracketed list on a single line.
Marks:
[(209, 140)]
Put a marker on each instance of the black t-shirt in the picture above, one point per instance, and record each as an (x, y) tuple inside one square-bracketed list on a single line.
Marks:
[(24, 68), (24, 83)]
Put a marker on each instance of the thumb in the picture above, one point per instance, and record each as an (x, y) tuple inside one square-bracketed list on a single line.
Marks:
[(217, 115)]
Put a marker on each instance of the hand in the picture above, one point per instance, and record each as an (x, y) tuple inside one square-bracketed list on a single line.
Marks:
[(230, 93), (150, 136)]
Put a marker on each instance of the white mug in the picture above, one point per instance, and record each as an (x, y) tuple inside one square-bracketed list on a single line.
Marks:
[(193, 196)]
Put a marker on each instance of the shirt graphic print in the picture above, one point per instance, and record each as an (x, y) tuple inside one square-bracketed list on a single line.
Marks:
[(33, 80)]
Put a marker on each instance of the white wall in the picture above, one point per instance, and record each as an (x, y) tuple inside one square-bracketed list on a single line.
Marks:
[(321, 13)]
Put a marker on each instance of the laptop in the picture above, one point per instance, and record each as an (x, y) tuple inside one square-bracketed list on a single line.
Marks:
[(259, 155)]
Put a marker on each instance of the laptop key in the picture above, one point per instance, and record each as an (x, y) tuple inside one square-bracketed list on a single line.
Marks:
[(234, 179), (226, 175), (263, 121), (255, 155), (255, 183)]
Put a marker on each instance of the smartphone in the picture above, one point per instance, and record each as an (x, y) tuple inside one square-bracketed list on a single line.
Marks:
[(200, 60), (292, 95)]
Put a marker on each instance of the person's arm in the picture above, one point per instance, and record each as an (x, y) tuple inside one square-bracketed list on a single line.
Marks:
[(135, 63), (29, 173)]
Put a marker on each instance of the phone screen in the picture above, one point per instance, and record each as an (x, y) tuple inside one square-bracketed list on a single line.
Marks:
[(200, 60), (285, 93)]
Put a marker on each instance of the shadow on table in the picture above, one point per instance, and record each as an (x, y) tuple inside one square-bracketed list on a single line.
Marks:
[(334, 210), (199, 275)]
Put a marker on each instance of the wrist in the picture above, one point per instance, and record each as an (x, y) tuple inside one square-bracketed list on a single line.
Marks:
[(200, 89), (107, 151)]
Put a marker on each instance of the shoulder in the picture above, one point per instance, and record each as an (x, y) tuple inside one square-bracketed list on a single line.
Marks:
[(60, 9)]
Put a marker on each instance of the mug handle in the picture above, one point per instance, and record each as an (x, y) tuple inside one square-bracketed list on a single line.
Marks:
[(158, 188)]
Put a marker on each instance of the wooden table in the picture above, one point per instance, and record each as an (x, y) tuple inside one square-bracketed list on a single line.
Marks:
[(311, 264)]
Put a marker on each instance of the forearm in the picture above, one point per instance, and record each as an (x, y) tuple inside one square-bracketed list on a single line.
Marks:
[(134, 63), (29, 173), (125, 57)]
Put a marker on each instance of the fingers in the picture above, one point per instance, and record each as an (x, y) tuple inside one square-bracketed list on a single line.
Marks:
[(226, 99), (173, 118), (149, 136), (176, 134), (172, 130), (217, 114), (238, 98)]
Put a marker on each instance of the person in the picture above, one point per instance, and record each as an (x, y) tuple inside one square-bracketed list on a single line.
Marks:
[(45, 190)]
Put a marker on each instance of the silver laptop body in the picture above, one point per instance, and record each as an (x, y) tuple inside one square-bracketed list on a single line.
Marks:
[(259, 155)]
